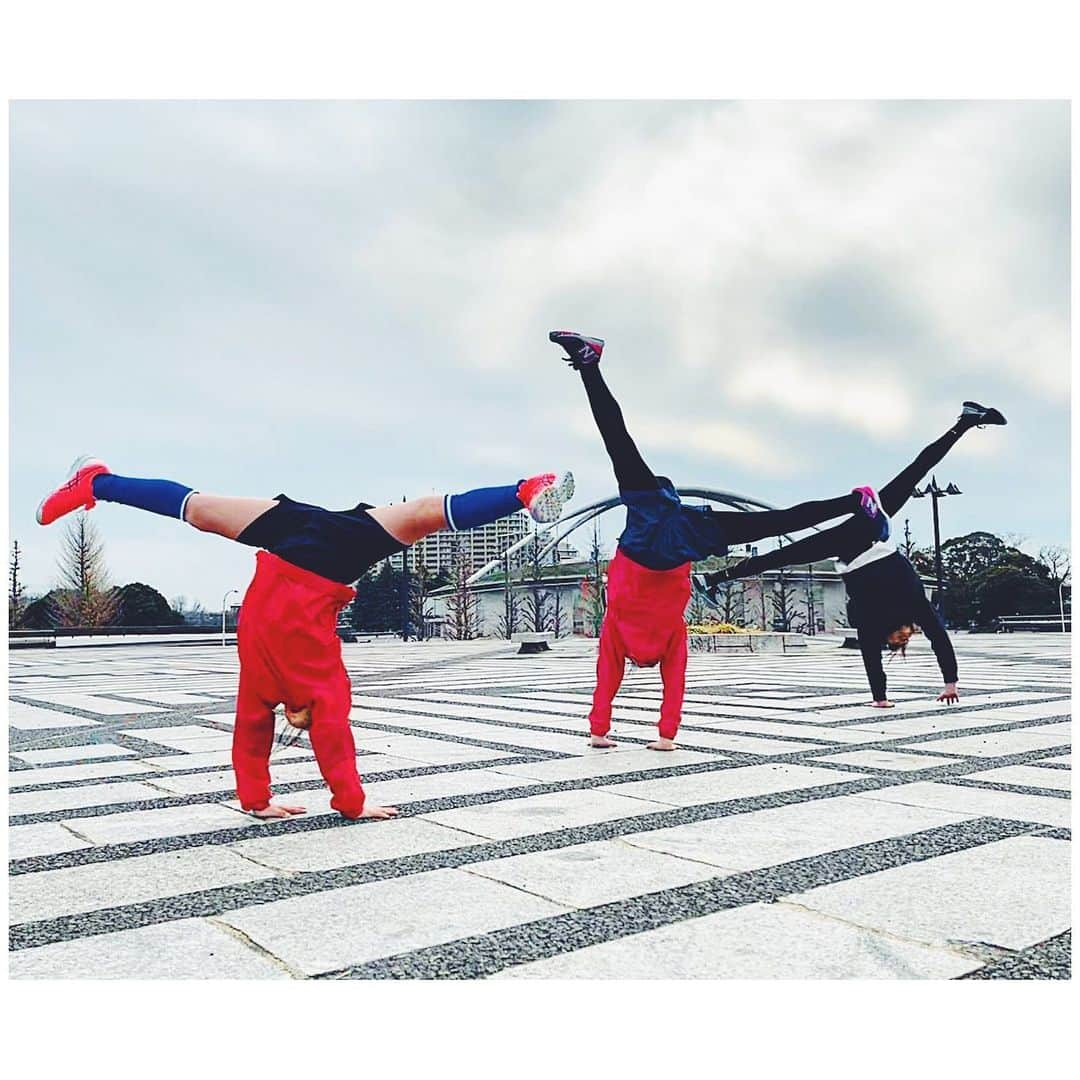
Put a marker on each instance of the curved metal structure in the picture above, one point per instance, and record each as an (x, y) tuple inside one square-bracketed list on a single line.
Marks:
[(585, 514)]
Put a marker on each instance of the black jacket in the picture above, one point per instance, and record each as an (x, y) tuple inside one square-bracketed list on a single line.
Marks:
[(883, 596)]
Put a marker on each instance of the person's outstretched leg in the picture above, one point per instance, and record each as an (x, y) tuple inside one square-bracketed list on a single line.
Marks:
[(898, 490), (744, 527), (90, 480), (631, 472), (543, 496)]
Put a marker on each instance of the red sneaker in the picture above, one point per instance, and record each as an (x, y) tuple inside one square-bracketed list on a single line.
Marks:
[(544, 496), (76, 493)]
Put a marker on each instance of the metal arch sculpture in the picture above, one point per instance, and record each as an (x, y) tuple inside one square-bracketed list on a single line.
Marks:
[(586, 514)]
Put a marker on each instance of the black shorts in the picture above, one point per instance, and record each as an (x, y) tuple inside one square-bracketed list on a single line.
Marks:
[(336, 544)]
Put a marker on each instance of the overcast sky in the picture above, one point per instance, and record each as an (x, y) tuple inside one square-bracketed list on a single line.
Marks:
[(350, 301)]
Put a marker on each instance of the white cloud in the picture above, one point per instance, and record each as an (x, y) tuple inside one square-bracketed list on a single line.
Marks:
[(353, 298)]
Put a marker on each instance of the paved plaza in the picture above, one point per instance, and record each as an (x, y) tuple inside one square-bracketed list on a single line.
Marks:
[(796, 832)]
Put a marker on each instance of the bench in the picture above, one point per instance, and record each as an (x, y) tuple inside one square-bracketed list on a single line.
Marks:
[(532, 643), (1008, 624)]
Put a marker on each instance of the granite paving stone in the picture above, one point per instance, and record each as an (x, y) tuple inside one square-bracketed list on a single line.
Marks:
[(1010, 894), (760, 941)]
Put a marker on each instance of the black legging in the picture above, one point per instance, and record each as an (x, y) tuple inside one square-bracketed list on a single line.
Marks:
[(854, 536), (737, 526)]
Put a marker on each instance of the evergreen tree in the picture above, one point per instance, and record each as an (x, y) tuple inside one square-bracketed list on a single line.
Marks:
[(16, 599)]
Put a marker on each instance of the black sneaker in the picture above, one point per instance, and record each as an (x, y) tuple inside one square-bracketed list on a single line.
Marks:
[(581, 350), (979, 415)]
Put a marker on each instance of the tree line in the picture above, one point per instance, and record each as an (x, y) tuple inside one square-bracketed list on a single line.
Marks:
[(84, 596)]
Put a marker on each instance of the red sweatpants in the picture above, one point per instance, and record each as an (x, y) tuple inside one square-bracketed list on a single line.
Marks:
[(290, 654)]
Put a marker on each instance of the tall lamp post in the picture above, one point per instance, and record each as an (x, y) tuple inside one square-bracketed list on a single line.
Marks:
[(936, 493), (224, 608), (405, 589)]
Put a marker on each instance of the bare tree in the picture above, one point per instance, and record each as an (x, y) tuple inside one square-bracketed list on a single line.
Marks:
[(783, 599), (1014, 540), (507, 623), (695, 613), (536, 602), (191, 611), (908, 545), (730, 601), (1058, 561), (85, 597), (555, 622), (593, 587), (16, 599), (421, 584), (463, 619)]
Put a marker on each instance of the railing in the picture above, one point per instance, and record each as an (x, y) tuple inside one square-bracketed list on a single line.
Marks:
[(1006, 624), (44, 639)]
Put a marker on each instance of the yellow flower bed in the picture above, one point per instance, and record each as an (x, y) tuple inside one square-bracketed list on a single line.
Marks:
[(716, 628)]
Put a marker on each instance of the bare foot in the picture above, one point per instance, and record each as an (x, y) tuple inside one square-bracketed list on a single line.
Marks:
[(379, 813), (274, 810), (662, 744), (884, 705), (601, 742)]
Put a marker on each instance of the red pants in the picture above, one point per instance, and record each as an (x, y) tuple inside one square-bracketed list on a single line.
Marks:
[(290, 654)]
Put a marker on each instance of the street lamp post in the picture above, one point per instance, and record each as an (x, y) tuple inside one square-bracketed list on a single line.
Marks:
[(224, 608), (936, 493), (405, 589), (1061, 602)]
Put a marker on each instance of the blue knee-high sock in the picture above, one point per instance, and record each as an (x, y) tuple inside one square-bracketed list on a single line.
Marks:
[(158, 496), (481, 506)]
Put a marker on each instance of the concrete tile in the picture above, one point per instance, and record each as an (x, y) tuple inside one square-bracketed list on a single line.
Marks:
[(176, 697), (95, 704), (895, 727), (63, 773), (62, 754), (433, 751), (186, 737), (333, 848), (888, 759), (31, 718), (542, 813), (328, 931), (1028, 776), (168, 821), (45, 838), (742, 744), (622, 759), (1012, 894), (760, 941), (795, 731), (51, 893), (726, 784), (785, 833), (186, 949), (71, 798), (997, 743), (591, 874), (979, 801), (521, 736), (220, 758), (441, 785)]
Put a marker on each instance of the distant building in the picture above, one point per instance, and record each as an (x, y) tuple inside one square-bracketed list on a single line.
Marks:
[(483, 545), (816, 601)]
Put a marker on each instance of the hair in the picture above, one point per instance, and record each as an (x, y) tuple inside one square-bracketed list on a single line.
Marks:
[(893, 648)]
